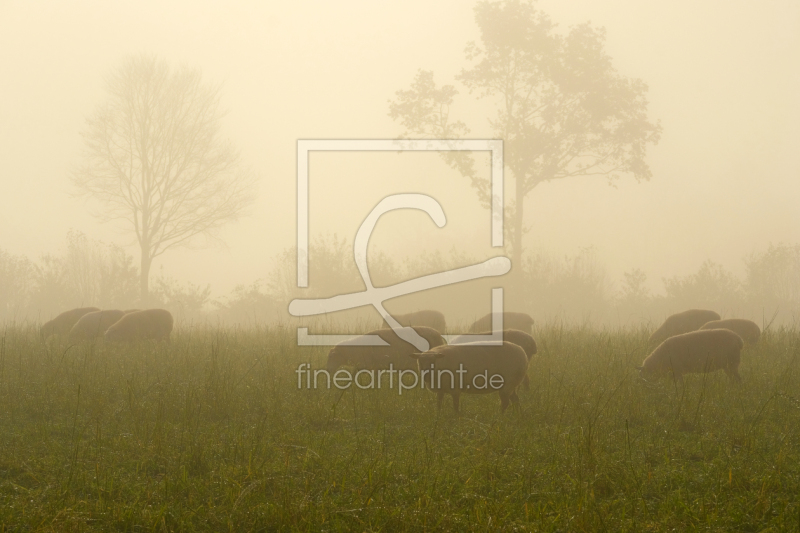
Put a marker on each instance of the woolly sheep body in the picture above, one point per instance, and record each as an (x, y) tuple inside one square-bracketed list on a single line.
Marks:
[(62, 324), (428, 318), (473, 359), (701, 351), (511, 320), (684, 322), (746, 329), (94, 324), (380, 357), (139, 325), (520, 338)]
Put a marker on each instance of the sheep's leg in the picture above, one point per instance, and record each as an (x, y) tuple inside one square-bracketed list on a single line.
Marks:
[(733, 373), (514, 398), (526, 382), (504, 401)]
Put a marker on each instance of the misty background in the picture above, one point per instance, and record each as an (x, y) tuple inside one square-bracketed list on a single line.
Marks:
[(716, 225)]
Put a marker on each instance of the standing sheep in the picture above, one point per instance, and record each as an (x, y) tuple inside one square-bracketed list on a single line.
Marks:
[(511, 320), (520, 338), (473, 368), (61, 324), (428, 318), (139, 325), (94, 324), (746, 329), (701, 351), (377, 357), (684, 322)]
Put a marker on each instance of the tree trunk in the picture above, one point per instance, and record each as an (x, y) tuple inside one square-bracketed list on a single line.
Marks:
[(144, 277)]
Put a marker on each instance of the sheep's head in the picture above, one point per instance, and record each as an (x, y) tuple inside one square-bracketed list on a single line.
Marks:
[(648, 372)]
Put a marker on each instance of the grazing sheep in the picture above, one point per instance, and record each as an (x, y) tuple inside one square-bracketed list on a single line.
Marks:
[(148, 324), (520, 338), (94, 324), (427, 318), (683, 322), (701, 351), (511, 320), (473, 368), (746, 329), (377, 357), (61, 324)]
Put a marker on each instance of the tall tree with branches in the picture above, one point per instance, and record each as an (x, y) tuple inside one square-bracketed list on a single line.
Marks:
[(561, 107), (155, 159)]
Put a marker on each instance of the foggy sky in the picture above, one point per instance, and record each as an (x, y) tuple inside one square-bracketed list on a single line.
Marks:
[(723, 80)]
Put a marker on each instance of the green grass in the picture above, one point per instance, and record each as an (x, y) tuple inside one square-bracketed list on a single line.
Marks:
[(211, 433)]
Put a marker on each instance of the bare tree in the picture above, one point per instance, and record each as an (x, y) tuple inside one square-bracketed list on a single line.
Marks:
[(154, 159), (561, 107)]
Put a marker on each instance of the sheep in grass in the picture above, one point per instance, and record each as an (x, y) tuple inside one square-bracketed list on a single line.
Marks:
[(350, 353), (62, 324), (684, 322), (702, 351), (155, 324), (511, 320), (428, 318), (520, 338), (473, 368), (746, 329), (94, 324)]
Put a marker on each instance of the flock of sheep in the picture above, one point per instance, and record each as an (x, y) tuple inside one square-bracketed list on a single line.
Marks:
[(694, 341), (88, 323)]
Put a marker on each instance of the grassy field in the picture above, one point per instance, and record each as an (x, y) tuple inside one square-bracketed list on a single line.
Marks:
[(211, 433)]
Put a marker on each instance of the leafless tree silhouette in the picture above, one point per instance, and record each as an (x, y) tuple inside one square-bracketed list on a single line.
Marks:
[(154, 158)]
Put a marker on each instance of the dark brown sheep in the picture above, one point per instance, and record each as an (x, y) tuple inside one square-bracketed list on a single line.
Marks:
[(94, 324), (61, 324), (153, 324), (378, 357), (511, 320), (684, 322), (746, 329)]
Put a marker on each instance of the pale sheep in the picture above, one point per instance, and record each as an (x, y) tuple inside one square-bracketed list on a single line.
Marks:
[(62, 324), (701, 351), (746, 329), (511, 320), (684, 322), (520, 338), (349, 353), (473, 368), (94, 324), (155, 324), (428, 318)]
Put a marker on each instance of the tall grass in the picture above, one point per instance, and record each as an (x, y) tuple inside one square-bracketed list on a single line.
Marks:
[(211, 433)]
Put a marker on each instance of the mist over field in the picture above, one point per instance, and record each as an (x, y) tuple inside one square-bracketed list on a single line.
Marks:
[(721, 82), (205, 262)]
